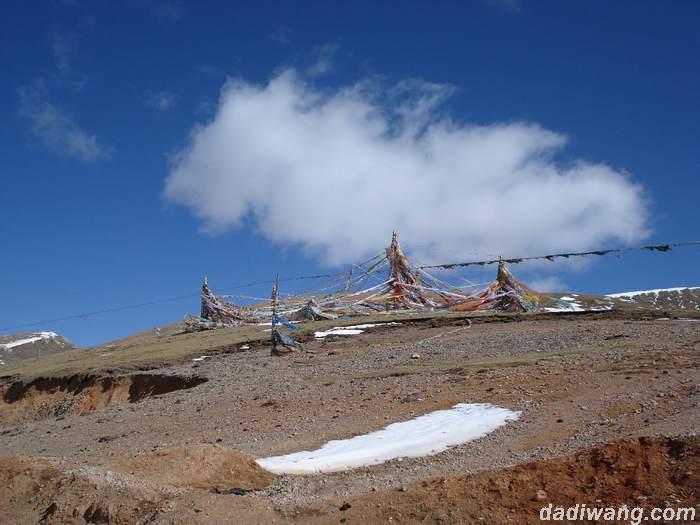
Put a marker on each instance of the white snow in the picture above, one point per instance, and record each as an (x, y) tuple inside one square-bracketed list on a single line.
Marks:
[(574, 307), (426, 435), (35, 337), (569, 307), (571, 304), (338, 331), (654, 292), (200, 358), (370, 325), (355, 329)]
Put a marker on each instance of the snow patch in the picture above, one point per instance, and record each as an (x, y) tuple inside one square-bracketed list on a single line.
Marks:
[(355, 329), (569, 303), (338, 331), (35, 337), (652, 292), (573, 307), (569, 306), (426, 435), (370, 325)]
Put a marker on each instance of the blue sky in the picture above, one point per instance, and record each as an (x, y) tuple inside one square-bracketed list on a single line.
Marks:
[(131, 168)]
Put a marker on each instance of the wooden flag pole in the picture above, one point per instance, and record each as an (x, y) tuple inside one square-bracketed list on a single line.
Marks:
[(275, 290)]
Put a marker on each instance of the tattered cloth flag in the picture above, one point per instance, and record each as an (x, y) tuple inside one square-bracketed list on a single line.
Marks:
[(215, 312), (283, 344), (311, 311), (281, 320), (505, 294), (551, 257), (407, 287)]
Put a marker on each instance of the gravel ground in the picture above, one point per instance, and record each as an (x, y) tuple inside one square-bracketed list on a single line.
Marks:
[(577, 381)]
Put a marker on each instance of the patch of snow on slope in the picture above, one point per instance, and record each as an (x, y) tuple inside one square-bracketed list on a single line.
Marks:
[(35, 337), (426, 435), (372, 325), (569, 306), (570, 303), (574, 307), (653, 292), (355, 329), (338, 331)]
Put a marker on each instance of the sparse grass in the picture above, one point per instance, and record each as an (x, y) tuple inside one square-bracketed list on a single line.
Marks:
[(145, 350), (460, 366), (464, 366)]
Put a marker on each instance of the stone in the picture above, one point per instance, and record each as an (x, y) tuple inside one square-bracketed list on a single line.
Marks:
[(540, 495)]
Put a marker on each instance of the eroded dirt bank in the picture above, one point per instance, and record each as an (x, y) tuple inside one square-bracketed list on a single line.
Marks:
[(639, 473), (579, 383), (41, 491), (79, 394), (198, 467), (645, 472)]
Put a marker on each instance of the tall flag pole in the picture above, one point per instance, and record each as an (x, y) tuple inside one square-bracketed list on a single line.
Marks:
[(275, 292)]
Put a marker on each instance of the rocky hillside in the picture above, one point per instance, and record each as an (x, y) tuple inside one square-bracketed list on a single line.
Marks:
[(687, 298), (15, 347)]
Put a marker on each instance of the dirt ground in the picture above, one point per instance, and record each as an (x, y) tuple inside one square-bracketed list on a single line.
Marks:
[(587, 386)]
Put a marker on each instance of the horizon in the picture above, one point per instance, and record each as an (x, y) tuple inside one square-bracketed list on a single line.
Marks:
[(154, 143)]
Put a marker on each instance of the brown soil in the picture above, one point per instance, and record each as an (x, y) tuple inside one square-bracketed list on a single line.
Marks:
[(55, 396), (645, 472), (581, 382), (41, 491), (639, 473), (202, 467)]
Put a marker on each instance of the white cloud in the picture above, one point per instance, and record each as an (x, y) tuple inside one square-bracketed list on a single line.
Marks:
[(335, 171), (161, 101), (57, 129)]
